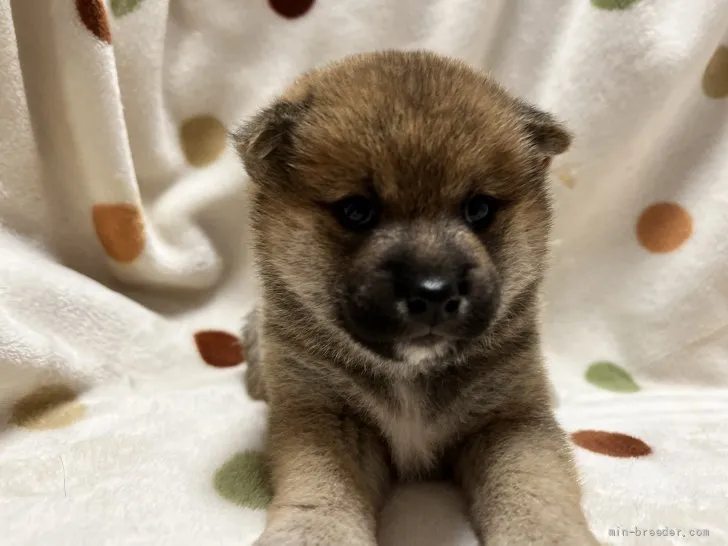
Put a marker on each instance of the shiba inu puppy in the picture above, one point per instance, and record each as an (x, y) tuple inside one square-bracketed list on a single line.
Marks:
[(400, 222)]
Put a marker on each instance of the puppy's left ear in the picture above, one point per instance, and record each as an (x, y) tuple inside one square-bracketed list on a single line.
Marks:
[(266, 143), (547, 134)]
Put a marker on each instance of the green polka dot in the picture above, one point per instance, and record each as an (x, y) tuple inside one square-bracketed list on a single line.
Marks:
[(124, 7), (613, 5), (611, 377), (243, 479)]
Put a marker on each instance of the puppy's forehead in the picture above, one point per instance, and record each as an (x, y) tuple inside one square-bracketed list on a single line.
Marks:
[(409, 127)]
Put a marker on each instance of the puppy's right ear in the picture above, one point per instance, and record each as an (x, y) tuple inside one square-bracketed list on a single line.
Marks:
[(548, 135), (267, 142)]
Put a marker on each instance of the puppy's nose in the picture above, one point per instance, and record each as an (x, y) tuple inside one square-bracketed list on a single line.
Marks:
[(433, 300)]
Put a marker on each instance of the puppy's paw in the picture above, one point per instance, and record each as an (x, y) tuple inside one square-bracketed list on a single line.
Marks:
[(288, 537), (301, 537), (302, 529)]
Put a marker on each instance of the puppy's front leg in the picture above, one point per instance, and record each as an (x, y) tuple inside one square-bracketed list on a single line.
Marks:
[(330, 477), (521, 485)]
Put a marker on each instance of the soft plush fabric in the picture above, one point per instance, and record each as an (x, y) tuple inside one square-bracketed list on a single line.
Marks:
[(124, 272)]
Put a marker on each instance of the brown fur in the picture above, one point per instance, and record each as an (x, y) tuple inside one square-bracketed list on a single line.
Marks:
[(348, 417)]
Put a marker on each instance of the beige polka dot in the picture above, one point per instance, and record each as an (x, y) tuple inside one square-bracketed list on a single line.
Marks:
[(664, 227), (566, 176), (715, 77), (203, 139), (120, 229), (49, 407)]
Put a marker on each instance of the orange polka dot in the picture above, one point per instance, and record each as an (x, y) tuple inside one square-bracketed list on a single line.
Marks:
[(120, 229), (664, 227), (49, 407), (613, 444), (93, 16), (219, 349), (715, 77), (203, 139)]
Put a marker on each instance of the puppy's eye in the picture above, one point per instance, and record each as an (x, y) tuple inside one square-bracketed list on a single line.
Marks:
[(479, 210), (357, 213)]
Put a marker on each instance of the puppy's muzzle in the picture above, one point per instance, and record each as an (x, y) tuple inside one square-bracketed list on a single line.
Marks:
[(431, 300)]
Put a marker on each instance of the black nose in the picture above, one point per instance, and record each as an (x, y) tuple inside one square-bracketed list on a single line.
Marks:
[(432, 300)]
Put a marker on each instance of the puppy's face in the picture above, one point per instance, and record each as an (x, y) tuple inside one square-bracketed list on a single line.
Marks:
[(401, 197)]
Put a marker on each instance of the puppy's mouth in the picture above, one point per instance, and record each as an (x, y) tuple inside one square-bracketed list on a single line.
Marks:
[(427, 338), (385, 334), (394, 340)]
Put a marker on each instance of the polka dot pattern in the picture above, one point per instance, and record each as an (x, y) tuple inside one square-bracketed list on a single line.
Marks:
[(609, 376), (93, 16), (566, 176), (715, 77), (203, 140), (664, 227), (244, 480), (124, 7), (291, 9), (120, 230), (613, 5), (49, 407), (613, 444), (219, 349)]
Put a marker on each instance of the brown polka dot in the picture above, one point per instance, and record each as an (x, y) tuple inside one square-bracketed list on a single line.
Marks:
[(49, 407), (203, 139), (93, 16), (219, 349), (664, 227), (715, 77), (120, 229), (613, 444), (290, 9)]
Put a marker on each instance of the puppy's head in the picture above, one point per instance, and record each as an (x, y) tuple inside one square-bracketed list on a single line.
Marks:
[(402, 198)]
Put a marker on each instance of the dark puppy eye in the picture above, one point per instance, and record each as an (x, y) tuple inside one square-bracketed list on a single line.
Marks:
[(479, 211), (356, 213)]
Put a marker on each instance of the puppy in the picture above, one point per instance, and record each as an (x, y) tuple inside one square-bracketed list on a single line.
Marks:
[(400, 221)]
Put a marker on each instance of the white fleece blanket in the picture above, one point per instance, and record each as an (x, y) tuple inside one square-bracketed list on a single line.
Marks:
[(124, 272)]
